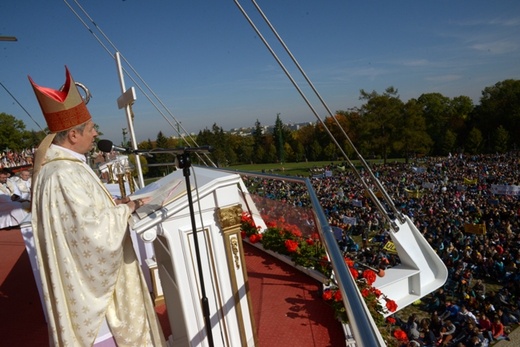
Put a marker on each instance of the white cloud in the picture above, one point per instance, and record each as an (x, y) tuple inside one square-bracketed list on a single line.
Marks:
[(496, 47)]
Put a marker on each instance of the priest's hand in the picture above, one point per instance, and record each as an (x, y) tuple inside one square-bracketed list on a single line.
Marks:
[(136, 204)]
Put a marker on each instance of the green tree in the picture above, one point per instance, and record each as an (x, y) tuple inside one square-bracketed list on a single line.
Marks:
[(413, 137), (381, 116), (500, 139), (315, 151), (499, 106), (306, 137), (436, 111), (330, 152), (449, 142), (162, 142), (474, 141), (279, 139), (12, 133), (289, 153)]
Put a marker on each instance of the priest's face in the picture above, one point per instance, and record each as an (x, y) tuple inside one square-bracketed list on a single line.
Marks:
[(85, 140)]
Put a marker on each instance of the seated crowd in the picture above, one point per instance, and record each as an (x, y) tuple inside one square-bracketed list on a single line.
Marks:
[(462, 207)]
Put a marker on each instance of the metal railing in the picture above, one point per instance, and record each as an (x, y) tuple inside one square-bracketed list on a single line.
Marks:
[(362, 325)]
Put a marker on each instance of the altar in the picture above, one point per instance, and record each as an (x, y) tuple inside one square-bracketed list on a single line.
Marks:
[(218, 200)]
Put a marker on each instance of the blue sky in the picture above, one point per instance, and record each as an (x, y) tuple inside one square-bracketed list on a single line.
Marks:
[(207, 65)]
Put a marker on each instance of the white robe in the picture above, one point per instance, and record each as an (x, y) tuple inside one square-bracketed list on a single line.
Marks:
[(87, 262)]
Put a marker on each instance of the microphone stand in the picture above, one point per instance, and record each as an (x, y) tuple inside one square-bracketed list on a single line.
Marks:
[(185, 163)]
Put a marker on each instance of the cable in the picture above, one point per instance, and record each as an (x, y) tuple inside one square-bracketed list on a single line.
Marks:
[(23, 108), (178, 125)]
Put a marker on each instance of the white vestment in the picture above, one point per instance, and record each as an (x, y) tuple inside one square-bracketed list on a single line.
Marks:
[(87, 262), (24, 187)]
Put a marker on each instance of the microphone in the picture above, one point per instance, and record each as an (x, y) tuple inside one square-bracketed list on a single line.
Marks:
[(107, 146)]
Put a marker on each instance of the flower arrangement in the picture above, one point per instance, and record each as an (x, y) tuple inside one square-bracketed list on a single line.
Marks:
[(287, 239), (309, 252), (373, 297)]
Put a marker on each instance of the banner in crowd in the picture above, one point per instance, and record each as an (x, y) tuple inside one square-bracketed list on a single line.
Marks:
[(414, 193), (390, 247), (356, 203), (338, 233), (428, 185), (505, 189), (350, 220), (479, 229), (418, 169), (469, 181)]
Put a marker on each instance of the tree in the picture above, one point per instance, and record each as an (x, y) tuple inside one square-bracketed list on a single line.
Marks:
[(12, 133), (499, 106), (436, 111), (258, 134), (474, 141), (500, 139), (315, 151), (413, 137), (279, 139), (449, 142), (162, 142), (381, 116), (306, 137)]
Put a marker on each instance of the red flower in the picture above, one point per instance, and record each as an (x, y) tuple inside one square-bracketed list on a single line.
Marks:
[(310, 241), (370, 276), (291, 246), (255, 238), (390, 320), (246, 217), (354, 273), (377, 292), (400, 335), (293, 229), (365, 292), (270, 224), (349, 262), (391, 305), (327, 295), (337, 295)]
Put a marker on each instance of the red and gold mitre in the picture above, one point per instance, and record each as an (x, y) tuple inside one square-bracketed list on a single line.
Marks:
[(62, 109)]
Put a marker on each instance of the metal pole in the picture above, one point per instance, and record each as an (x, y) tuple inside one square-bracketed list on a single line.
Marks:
[(185, 163), (130, 122)]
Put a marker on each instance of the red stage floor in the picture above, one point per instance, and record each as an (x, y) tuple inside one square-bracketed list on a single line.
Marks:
[(286, 305)]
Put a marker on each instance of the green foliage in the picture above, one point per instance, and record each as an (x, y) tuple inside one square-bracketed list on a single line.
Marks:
[(474, 141), (500, 139), (12, 132)]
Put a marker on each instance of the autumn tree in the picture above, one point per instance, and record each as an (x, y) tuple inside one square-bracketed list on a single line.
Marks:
[(381, 116)]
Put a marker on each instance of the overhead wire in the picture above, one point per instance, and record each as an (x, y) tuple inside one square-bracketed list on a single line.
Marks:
[(185, 136), (19, 104), (374, 179)]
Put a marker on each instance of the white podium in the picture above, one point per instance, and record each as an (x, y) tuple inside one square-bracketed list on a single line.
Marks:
[(218, 200)]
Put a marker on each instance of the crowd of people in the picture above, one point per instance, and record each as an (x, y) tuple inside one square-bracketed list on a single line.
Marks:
[(467, 207), (12, 159)]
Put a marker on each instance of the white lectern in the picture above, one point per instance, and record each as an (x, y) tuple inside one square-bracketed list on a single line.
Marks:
[(218, 200)]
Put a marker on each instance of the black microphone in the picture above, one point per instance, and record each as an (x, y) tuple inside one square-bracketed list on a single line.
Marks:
[(108, 146)]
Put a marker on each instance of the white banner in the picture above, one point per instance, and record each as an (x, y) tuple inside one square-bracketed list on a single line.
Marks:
[(504, 189)]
